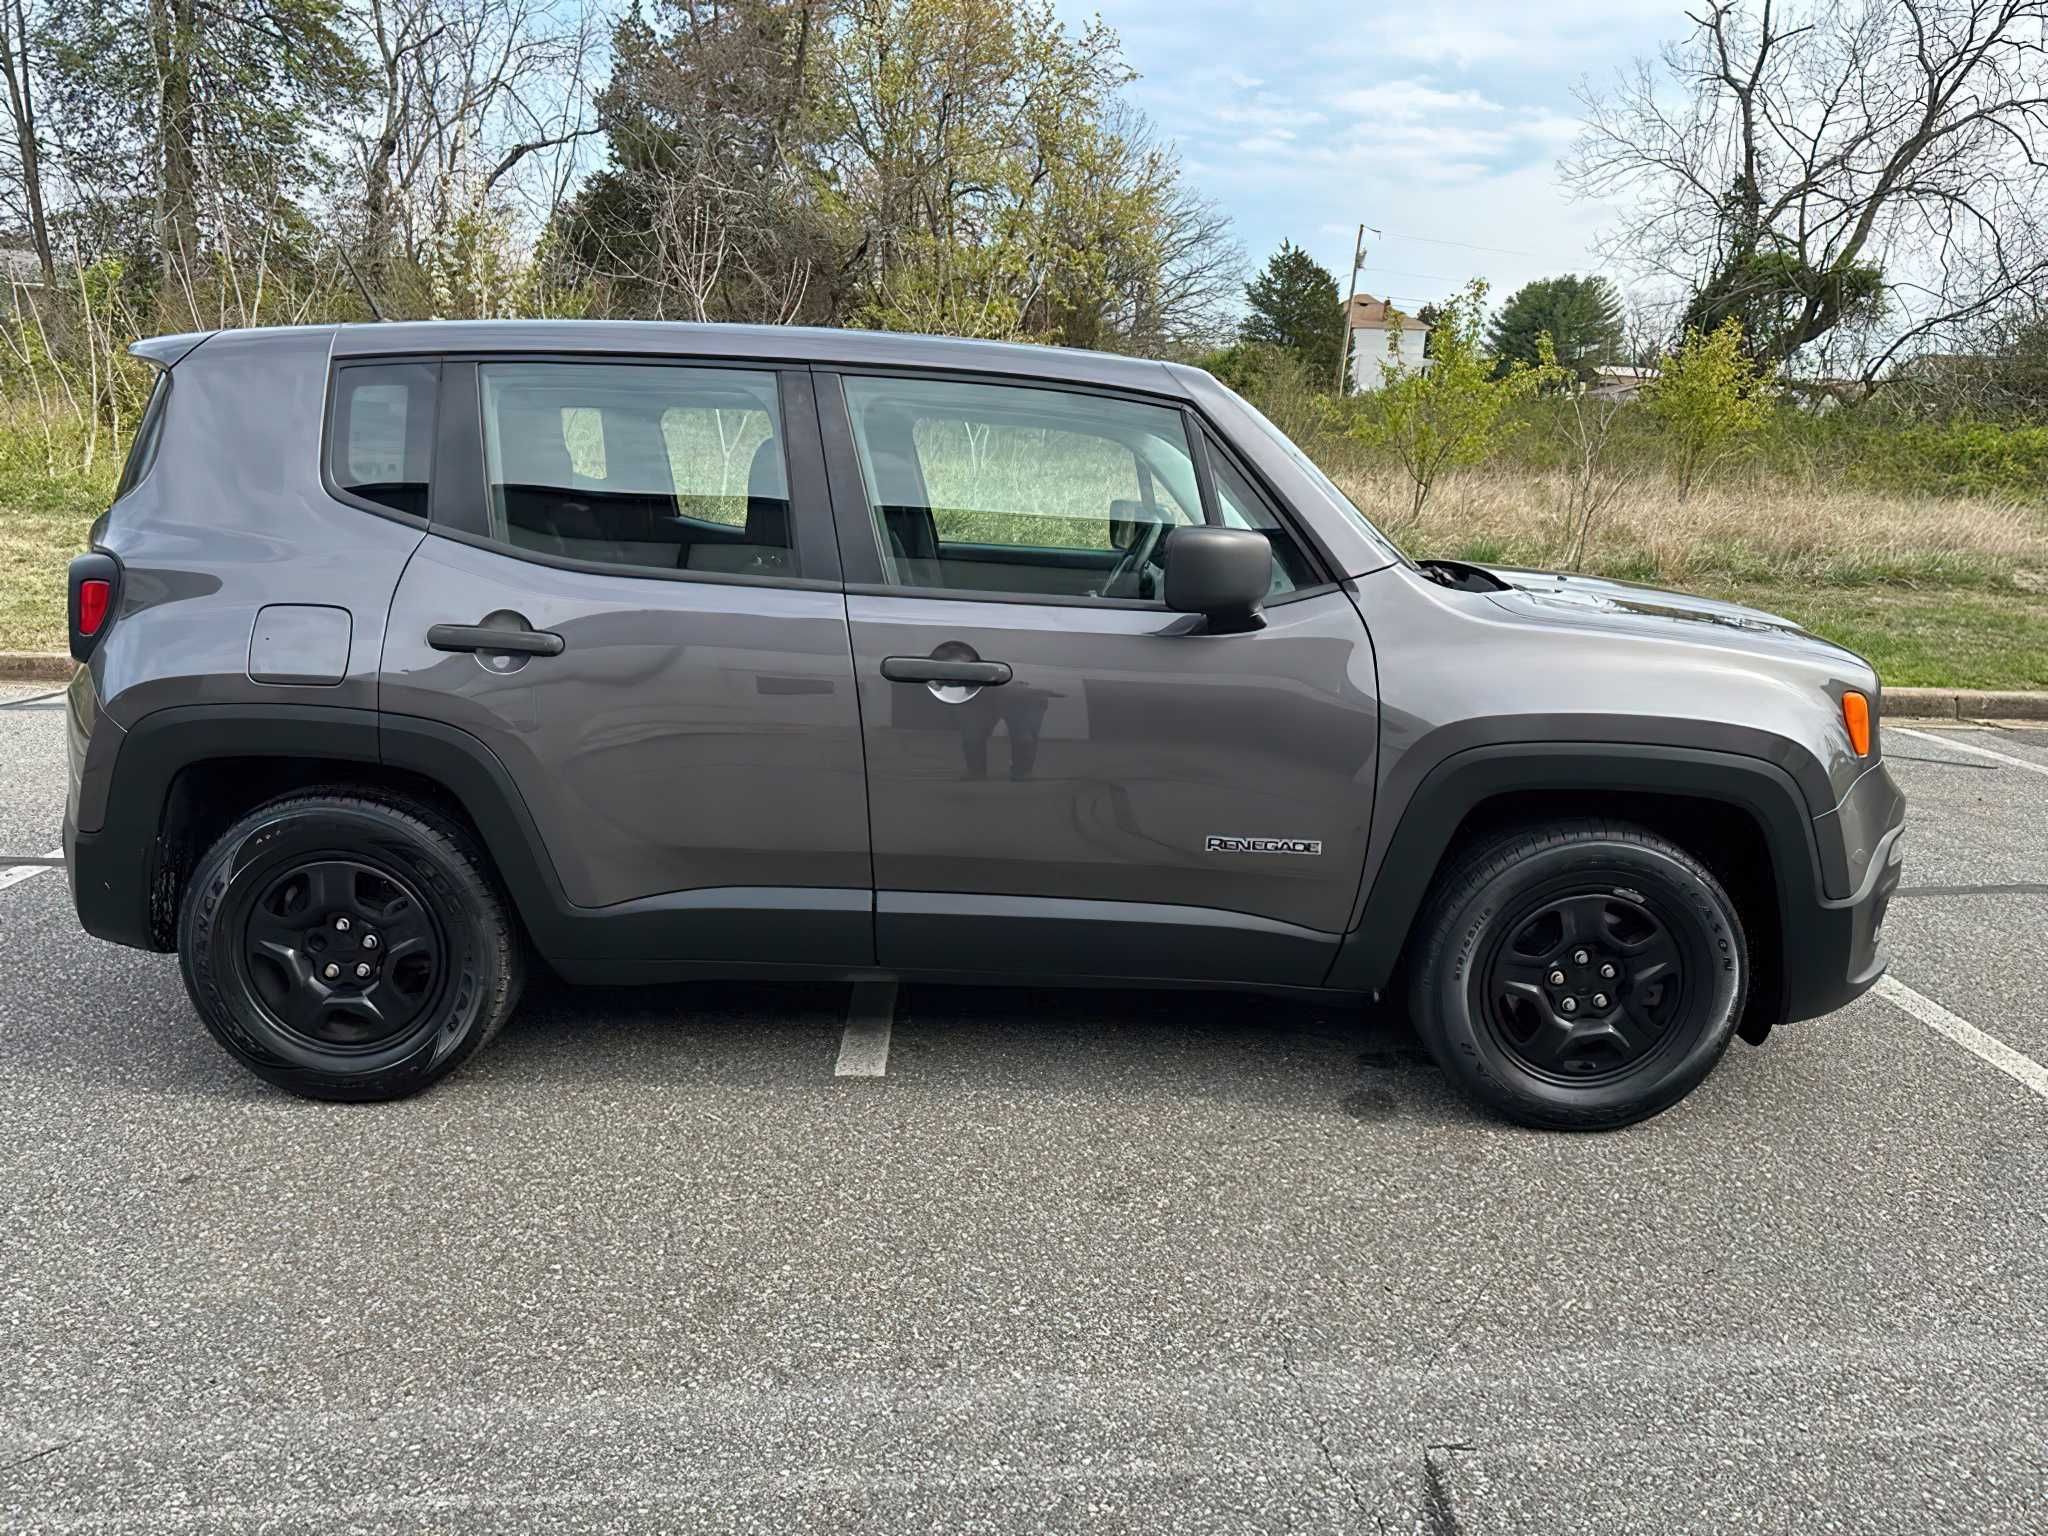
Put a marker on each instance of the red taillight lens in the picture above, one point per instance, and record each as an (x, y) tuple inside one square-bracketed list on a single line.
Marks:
[(93, 599)]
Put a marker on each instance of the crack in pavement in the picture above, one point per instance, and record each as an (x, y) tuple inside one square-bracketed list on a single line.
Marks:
[(1320, 1435)]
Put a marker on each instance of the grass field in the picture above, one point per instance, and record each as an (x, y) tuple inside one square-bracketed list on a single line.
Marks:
[(1935, 591)]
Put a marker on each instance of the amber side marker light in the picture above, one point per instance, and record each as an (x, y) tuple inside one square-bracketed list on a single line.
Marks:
[(1856, 715)]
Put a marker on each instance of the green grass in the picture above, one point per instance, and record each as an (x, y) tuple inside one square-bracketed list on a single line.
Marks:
[(43, 523)]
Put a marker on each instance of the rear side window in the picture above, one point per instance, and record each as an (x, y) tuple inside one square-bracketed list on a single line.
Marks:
[(380, 445), (142, 452), (645, 466)]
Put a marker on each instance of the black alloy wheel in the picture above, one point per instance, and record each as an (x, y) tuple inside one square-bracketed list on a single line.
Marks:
[(1585, 986), (1578, 974), (342, 953), (348, 944)]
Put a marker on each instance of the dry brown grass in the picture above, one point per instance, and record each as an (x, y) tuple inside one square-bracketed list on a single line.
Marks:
[(1772, 532)]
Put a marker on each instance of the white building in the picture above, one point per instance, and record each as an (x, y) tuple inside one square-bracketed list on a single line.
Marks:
[(1379, 333)]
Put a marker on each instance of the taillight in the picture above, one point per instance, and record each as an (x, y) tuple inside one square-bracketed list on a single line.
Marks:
[(95, 582), (93, 598)]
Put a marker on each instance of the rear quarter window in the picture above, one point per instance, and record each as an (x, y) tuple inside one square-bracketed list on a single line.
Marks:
[(380, 434), (150, 431)]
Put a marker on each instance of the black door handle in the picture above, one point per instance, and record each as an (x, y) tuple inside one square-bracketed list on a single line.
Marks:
[(923, 669), (482, 637)]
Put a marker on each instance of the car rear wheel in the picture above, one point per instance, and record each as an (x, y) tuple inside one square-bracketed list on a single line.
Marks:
[(1581, 975), (348, 946)]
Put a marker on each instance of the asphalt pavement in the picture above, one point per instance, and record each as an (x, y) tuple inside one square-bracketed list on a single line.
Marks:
[(749, 1258)]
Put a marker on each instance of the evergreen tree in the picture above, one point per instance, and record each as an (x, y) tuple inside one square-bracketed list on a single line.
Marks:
[(1581, 315), (1295, 306)]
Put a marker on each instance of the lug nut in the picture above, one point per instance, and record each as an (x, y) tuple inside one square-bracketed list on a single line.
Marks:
[(1580, 957), (1557, 978), (1570, 1005), (1599, 999), (362, 968), (330, 970), (341, 925), (369, 941), (1607, 973)]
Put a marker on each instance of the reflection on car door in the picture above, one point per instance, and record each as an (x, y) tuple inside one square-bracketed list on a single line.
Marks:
[(1089, 784), (672, 694)]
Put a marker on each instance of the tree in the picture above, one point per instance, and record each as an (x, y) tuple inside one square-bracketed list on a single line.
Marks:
[(1709, 400), (1582, 316), (1802, 166), (215, 108), (956, 165), (1584, 425), (23, 187), (1295, 305), (715, 204), (1452, 413), (464, 95)]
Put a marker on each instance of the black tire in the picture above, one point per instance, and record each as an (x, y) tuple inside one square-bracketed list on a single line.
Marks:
[(1486, 998), (303, 884)]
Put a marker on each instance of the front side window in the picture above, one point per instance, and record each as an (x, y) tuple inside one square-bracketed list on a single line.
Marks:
[(380, 446), (998, 488), (645, 466)]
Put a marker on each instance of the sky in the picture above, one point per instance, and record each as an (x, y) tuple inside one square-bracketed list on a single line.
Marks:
[(1441, 125)]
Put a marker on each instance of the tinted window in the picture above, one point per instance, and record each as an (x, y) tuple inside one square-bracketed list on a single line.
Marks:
[(381, 444), (142, 452), (651, 467), (994, 488)]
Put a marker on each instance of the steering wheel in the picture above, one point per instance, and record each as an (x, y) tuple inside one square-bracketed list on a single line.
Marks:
[(1130, 568)]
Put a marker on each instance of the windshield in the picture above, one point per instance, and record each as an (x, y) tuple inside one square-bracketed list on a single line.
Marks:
[(1322, 482)]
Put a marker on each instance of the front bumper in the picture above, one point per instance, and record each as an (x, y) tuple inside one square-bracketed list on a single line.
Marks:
[(1834, 951)]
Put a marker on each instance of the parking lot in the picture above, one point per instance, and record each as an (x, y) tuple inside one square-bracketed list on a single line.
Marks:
[(766, 1259)]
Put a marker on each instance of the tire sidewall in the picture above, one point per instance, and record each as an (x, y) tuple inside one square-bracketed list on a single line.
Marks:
[(246, 859), (1467, 1047)]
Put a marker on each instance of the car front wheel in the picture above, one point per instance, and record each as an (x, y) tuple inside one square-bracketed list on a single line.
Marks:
[(344, 945), (1579, 975)]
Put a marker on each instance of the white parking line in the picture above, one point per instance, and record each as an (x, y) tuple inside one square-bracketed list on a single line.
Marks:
[(14, 874), (1963, 746), (870, 1014), (2021, 1068)]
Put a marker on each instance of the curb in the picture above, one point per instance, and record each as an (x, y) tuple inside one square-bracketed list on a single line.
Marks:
[(36, 667), (1962, 704)]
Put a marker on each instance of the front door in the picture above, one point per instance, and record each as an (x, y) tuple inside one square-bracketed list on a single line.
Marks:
[(629, 595), (1064, 776)]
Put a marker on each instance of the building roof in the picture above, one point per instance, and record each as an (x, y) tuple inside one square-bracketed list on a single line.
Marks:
[(1371, 314)]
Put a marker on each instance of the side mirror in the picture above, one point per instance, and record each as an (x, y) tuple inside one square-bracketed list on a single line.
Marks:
[(1222, 573)]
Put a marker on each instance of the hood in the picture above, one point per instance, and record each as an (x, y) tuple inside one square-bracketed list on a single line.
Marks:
[(1598, 603)]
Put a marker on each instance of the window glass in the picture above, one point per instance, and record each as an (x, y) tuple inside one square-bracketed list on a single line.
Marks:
[(651, 467), (142, 452), (996, 488), (1239, 505), (382, 442)]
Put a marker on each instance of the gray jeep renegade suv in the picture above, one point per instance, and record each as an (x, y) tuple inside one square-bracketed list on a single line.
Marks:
[(658, 651)]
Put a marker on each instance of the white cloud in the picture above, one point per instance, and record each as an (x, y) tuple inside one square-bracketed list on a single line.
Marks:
[(1461, 46), (1404, 99)]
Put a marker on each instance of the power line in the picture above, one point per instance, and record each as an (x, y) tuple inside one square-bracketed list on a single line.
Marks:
[(1460, 244)]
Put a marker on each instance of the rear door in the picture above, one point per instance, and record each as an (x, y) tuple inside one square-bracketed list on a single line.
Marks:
[(1063, 776), (629, 594)]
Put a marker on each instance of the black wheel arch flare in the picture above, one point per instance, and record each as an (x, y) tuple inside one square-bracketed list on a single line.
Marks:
[(1465, 781)]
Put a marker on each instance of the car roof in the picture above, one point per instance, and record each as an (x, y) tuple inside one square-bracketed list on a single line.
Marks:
[(762, 343)]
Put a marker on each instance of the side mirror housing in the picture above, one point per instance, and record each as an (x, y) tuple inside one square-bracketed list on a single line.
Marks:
[(1223, 574)]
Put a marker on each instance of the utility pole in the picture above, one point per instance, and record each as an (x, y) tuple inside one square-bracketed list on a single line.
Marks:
[(1344, 346)]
